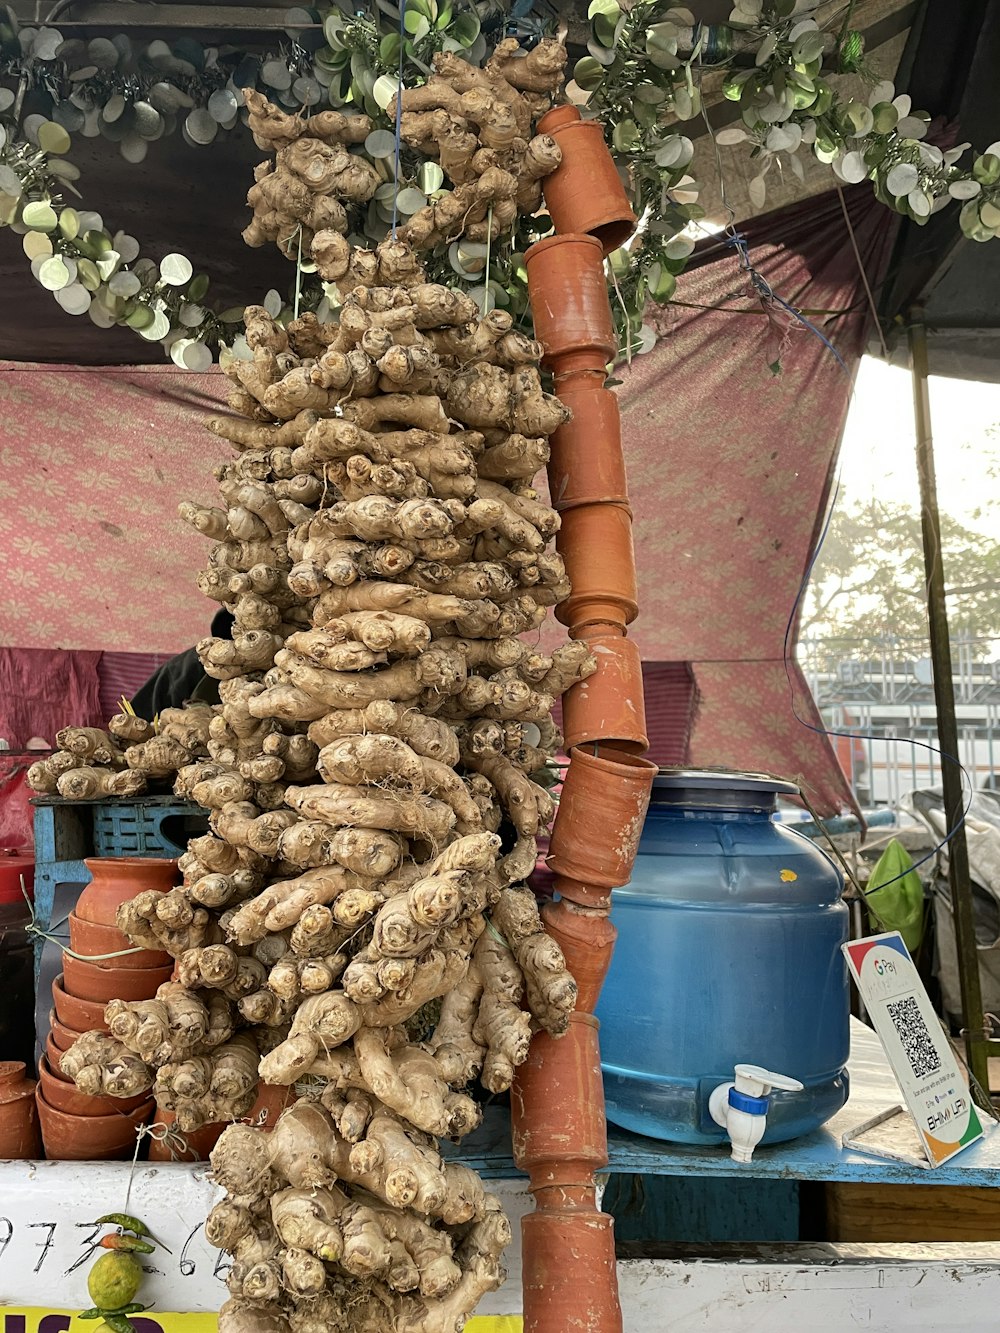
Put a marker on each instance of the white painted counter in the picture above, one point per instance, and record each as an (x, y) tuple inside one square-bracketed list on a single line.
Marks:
[(46, 1245)]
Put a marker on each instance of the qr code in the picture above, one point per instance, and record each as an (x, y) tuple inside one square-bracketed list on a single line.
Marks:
[(909, 1023)]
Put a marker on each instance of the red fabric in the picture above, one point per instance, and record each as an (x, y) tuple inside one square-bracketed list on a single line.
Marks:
[(121, 675), (44, 689), (93, 463), (730, 469)]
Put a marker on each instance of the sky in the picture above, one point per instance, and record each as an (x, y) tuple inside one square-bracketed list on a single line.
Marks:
[(877, 456)]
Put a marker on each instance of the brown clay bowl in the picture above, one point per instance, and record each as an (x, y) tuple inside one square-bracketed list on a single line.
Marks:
[(87, 981), (53, 1055), (91, 939), (61, 1036), (63, 1095), (198, 1142), (76, 1014), (89, 1138), (117, 880)]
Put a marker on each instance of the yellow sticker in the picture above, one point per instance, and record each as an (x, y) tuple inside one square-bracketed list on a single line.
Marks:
[(788, 877), (14, 1319)]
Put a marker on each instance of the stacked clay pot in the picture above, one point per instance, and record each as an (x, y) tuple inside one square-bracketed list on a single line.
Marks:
[(100, 965), (19, 1139)]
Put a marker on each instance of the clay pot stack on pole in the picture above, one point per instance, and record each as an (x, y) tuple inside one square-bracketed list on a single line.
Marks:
[(560, 1132), (100, 965)]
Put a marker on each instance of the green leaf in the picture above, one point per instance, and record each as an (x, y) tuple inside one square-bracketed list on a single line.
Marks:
[(465, 29), (884, 117), (662, 284), (588, 73), (416, 24), (39, 216), (985, 169), (625, 136)]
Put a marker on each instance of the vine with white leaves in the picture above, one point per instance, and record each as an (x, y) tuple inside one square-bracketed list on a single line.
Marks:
[(643, 77)]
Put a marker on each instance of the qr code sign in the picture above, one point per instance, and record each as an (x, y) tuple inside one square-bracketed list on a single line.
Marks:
[(908, 1021)]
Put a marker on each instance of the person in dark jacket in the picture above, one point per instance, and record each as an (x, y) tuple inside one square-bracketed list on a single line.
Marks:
[(183, 678)]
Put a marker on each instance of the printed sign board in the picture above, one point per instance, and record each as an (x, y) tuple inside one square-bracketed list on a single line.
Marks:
[(934, 1088)]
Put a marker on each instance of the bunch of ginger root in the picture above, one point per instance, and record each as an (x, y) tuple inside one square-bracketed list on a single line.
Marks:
[(356, 925)]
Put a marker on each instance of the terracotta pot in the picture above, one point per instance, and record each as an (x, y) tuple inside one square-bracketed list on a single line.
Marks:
[(595, 542), (19, 1138), (94, 940), (586, 463), (566, 114), (80, 1015), (569, 304), (585, 194), (569, 1266), (53, 1054), (117, 880), (62, 1095), (87, 981), (90, 1138), (608, 706), (272, 1099), (200, 1142), (602, 807), (587, 939), (60, 1035), (572, 1127)]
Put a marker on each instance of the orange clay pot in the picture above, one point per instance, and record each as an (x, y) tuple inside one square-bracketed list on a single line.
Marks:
[(117, 880), (602, 807), (62, 1095), (93, 940), (595, 542), (569, 304), (90, 1138), (587, 939), (79, 1015), (569, 1273), (87, 981), (586, 463), (608, 706), (62, 1037), (566, 114), (53, 1055), (19, 1137), (573, 1131), (200, 1142), (585, 193)]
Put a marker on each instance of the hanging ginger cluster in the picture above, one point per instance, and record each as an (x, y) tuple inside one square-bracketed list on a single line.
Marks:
[(356, 924)]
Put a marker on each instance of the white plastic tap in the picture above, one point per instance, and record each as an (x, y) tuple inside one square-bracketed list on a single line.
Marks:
[(741, 1107)]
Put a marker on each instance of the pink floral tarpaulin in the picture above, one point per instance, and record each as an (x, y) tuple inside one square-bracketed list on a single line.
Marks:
[(730, 468), (93, 463)]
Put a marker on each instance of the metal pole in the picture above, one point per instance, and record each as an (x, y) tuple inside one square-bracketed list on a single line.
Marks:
[(976, 1048)]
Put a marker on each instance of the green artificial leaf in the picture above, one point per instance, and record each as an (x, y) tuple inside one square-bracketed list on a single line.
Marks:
[(985, 169), (39, 216), (416, 25), (588, 73), (625, 136), (466, 28), (885, 117)]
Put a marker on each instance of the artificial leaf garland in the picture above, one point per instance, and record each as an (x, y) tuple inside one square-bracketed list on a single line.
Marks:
[(643, 74)]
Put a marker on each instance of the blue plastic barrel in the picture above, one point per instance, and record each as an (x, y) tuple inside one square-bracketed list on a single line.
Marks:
[(728, 952)]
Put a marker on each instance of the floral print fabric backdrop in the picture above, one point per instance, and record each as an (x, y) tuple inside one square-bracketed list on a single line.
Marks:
[(93, 462)]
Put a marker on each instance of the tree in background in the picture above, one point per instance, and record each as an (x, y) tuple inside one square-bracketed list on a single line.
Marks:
[(868, 584)]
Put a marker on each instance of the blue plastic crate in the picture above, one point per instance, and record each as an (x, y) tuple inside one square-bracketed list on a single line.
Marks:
[(149, 827)]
